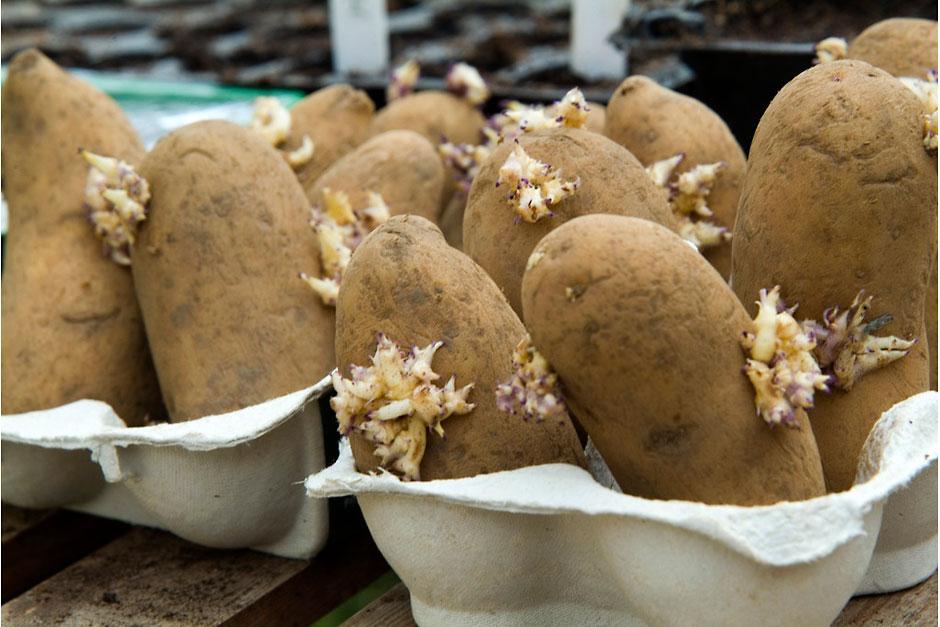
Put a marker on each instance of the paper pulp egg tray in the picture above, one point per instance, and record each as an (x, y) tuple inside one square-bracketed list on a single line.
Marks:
[(226, 481), (551, 545)]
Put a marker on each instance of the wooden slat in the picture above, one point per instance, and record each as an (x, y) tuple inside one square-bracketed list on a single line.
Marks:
[(392, 609), (16, 519), (348, 563), (151, 577), (38, 545), (914, 606)]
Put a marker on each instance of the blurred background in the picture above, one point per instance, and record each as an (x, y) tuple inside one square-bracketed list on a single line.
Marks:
[(732, 54)]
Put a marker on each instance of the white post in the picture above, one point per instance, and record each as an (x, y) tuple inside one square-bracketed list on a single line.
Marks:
[(359, 36), (592, 21)]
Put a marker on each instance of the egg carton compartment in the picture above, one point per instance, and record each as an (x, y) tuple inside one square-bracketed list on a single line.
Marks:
[(228, 481), (551, 545)]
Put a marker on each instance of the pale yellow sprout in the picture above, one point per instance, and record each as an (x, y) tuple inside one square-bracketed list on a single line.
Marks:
[(781, 365), (532, 186), (831, 49), (394, 402), (340, 229), (116, 198), (465, 81), (272, 121)]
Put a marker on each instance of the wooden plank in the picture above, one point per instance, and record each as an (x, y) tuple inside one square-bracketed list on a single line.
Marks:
[(348, 563), (914, 606), (392, 609), (151, 577), (38, 545), (16, 519)]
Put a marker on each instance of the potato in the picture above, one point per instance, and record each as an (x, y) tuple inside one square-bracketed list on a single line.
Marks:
[(451, 220), (905, 47), (71, 325), (337, 119), (900, 46), (597, 117), (434, 114), (611, 181), (402, 166), (230, 323), (406, 282), (437, 115), (930, 319), (840, 196), (656, 123), (644, 335)]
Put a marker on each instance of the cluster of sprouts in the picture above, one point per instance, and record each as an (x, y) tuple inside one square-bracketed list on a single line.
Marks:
[(571, 111), (465, 81), (403, 80), (340, 229), (926, 91), (533, 390), (788, 361), (272, 121), (462, 80), (116, 200), (533, 186), (464, 160), (394, 402), (831, 49), (688, 197), (780, 363), (846, 347)]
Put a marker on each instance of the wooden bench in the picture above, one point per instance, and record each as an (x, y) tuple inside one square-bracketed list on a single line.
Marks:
[(915, 606), (67, 568)]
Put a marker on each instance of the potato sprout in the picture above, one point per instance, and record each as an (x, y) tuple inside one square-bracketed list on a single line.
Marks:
[(116, 198), (533, 186), (533, 391), (394, 402), (272, 121), (780, 364), (340, 229)]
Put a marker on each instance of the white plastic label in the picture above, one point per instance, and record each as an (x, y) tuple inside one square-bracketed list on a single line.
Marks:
[(592, 21), (359, 36)]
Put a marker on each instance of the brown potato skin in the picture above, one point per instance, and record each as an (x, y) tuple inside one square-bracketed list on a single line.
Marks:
[(655, 123), (434, 114), (337, 119), (71, 325), (402, 166), (405, 281), (650, 358), (930, 320), (901, 46), (451, 220), (597, 118), (906, 47), (230, 323), (612, 181), (840, 196)]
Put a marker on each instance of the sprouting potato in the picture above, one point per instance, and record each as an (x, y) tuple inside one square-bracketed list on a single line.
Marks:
[(656, 123), (412, 307), (900, 46), (215, 267), (644, 336), (840, 198), (72, 328), (586, 173), (402, 166), (335, 120)]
